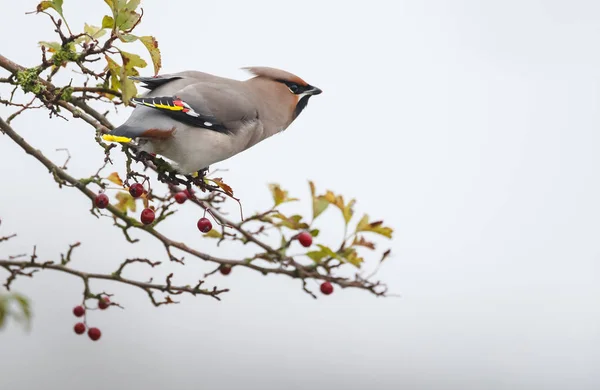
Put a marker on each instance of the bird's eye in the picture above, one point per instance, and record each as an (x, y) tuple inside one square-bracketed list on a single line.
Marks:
[(294, 88)]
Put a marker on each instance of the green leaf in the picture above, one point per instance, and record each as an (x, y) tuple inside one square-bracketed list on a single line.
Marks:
[(350, 255), (294, 222), (54, 4), (131, 61), (3, 309), (115, 74), (125, 201), (316, 256), (108, 22), (128, 37), (152, 45), (338, 201), (24, 305), (44, 5), (52, 47), (93, 31), (213, 234), (314, 232), (279, 195), (376, 227), (319, 204)]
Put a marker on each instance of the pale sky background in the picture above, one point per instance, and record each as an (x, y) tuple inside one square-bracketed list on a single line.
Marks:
[(471, 127)]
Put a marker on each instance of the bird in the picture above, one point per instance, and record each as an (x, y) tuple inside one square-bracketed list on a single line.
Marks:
[(196, 119)]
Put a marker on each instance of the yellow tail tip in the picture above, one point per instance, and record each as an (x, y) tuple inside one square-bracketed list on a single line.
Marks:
[(115, 138)]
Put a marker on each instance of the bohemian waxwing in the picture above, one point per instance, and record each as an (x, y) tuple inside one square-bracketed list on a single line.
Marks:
[(196, 119)]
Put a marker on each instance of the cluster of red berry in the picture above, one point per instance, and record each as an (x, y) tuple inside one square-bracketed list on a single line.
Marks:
[(80, 327), (204, 225)]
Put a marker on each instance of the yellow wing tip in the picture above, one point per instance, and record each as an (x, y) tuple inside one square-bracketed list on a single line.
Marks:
[(115, 138)]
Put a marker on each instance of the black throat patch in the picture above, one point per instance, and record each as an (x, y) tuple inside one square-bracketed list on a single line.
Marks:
[(301, 105)]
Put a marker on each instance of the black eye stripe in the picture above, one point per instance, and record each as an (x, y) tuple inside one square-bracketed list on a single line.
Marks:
[(295, 88)]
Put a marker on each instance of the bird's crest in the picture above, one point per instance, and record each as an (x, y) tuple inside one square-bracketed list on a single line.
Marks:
[(275, 74)]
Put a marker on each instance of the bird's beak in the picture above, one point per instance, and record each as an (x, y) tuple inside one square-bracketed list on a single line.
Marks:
[(313, 91)]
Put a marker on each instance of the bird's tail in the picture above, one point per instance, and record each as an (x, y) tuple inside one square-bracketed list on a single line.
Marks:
[(123, 134)]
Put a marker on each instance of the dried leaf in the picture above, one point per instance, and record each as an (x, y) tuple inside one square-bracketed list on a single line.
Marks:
[(279, 195), (361, 241), (225, 187), (376, 227), (114, 177), (385, 255), (152, 45)]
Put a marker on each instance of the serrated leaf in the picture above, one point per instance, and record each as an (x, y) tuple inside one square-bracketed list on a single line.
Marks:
[(52, 47), (338, 201), (348, 210), (376, 227), (213, 234), (125, 201), (279, 195), (152, 45), (361, 241), (93, 32), (114, 177), (108, 22)]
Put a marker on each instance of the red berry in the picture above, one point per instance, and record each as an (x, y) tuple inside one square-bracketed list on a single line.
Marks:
[(103, 303), (79, 328), (94, 333), (136, 190), (305, 239), (326, 288), (147, 216), (180, 197), (204, 225), (101, 201), (188, 193), (78, 311), (225, 269)]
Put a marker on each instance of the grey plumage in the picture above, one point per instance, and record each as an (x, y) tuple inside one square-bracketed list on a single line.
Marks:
[(196, 119)]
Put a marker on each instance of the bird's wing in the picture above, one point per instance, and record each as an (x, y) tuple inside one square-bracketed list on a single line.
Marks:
[(214, 106)]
